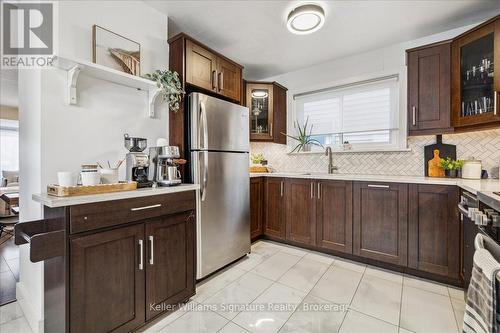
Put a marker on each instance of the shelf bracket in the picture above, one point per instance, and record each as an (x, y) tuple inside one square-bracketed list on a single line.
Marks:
[(152, 95), (73, 74)]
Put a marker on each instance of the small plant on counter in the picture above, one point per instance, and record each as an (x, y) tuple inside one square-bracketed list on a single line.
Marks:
[(305, 141), (257, 158), (451, 166), (170, 85)]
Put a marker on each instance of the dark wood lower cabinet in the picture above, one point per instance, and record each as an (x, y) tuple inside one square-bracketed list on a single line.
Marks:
[(380, 221), (300, 206), (407, 227), (334, 216), (256, 203), (170, 261), (274, 207), (434, 230), (107, 284), (134, 260)]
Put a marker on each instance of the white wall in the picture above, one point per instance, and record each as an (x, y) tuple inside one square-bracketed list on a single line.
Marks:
[(56, 136), (29, 290), (352, 68), (376, 63)]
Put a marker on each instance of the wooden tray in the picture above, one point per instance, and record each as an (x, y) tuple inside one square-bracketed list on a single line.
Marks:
[(258, 169), (69, 191)]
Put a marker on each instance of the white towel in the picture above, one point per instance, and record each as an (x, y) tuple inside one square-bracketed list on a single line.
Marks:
[(481, 310)]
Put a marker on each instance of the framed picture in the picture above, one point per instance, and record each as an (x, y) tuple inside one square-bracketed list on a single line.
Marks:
[(115, 51)]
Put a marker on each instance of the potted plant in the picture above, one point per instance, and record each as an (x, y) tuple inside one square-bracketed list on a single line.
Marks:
[(257, 158), (305, 142), (451, 167), (170, 85)]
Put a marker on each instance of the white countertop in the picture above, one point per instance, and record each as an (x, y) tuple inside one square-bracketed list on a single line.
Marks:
[(473, 186), (53, 201)]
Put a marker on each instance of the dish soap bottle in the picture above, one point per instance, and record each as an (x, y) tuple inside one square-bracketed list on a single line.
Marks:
[(435, 169)]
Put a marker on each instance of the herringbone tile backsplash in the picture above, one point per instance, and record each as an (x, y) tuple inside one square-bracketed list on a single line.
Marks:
[(484, 146)]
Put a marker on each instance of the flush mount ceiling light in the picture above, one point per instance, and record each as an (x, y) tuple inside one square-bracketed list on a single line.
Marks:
[(259, 94), (306, 19)]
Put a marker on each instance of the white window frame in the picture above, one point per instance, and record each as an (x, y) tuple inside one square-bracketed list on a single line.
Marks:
[(398, 141)]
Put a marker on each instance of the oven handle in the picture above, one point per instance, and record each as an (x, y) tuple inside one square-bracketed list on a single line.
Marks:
[(462, 210)]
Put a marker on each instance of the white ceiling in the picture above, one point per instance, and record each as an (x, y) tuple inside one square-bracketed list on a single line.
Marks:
[(254, 33)]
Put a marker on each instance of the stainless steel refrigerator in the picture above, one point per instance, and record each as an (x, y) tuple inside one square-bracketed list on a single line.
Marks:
[(218, 143)]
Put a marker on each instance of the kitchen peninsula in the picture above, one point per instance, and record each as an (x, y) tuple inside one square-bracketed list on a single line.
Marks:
[(123, 251)]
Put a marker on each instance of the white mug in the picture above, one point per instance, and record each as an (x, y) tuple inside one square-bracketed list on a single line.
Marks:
[(90, 178), (173, 173), (109, 176), (67, 178)]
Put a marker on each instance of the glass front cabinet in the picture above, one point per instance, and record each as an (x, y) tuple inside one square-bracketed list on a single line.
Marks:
[(267, 104), (260, 103), (476, 76)]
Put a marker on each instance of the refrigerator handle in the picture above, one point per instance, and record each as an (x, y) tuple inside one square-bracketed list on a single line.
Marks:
[(204, 176), (203, 129)]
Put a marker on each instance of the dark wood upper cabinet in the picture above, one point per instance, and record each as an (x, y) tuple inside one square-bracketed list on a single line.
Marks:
[(205, 69), (229, 79), (170, 259), (476, 76), (107, 281), (334, 216), (434, 228), (201, 66), (300, 207), (429, 73), (267, 103), (380, 221), (256, 203), (274, 207)]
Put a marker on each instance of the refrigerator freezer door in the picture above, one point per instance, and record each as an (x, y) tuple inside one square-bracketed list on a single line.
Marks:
[(223, 219), (218, 125)]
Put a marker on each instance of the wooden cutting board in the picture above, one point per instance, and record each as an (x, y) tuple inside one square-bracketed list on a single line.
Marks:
[(445, 150)]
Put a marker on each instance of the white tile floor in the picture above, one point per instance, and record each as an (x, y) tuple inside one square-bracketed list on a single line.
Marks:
[(280, 288)]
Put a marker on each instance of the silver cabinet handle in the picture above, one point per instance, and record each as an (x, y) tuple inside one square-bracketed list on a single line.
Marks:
[(414, 115), (495, 102), (271, 129), (312, 190), (151, 250), (145, 207), (319, 191), (220, 81), (378, 186), (281, 188), (214, 79), (141, 254)]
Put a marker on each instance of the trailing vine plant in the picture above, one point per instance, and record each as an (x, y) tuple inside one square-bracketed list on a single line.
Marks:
[(170, 85)]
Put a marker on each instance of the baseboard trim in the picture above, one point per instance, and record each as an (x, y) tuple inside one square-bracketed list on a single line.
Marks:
[(35, 322)]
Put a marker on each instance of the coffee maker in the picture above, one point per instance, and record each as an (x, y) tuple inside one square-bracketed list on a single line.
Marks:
[(137, 162), (164, 168)]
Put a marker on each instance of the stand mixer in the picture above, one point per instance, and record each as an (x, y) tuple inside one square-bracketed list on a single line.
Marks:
[(137, 162), (164, 169)]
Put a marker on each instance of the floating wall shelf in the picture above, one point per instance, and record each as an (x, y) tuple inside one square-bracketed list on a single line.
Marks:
[(76, 67)]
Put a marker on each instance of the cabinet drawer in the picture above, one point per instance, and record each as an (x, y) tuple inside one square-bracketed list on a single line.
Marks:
[(110, 213)]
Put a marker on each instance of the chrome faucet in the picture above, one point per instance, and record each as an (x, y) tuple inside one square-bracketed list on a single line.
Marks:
[(331, 167)]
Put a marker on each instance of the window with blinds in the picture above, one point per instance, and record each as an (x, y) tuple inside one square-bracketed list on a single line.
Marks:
[(364, 115)]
